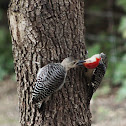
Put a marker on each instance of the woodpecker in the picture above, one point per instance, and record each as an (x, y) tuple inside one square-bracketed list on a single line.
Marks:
[(51, 78), (96, 68), (99, 72)]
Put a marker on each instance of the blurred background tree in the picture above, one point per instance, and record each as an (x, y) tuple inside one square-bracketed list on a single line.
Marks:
[(6, 60), (105, 23)]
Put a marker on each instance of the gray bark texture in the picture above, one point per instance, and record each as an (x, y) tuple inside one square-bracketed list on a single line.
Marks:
[(48, 31)]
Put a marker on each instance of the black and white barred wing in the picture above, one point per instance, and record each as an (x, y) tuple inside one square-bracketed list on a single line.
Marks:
[(49, 79), (98, 75)]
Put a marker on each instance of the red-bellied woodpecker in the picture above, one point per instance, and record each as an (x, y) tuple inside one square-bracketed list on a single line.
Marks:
[(51, 78), (95, 71), (99, 72), (96, 68)]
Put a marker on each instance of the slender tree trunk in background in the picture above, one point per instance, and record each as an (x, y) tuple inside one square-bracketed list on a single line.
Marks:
[(49, 31)]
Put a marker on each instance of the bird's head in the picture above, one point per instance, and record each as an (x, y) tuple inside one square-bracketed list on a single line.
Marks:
[(92, 62), (69, 62)]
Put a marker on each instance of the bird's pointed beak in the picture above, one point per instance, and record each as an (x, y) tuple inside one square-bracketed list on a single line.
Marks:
[(80, 62)]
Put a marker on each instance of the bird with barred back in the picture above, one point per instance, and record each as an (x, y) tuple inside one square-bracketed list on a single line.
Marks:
[(51, 78)]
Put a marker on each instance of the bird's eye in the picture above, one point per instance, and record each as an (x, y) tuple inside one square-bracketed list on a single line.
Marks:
[(74, 62)]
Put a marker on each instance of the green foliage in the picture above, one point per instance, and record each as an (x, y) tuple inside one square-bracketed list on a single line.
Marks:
[(120, 71), (2, 73), (121, 3), (93, 50), (6, 60), (121, 94), (120, 78), (122, 26)]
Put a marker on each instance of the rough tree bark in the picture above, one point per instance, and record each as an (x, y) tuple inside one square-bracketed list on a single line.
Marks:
[(49, 31)]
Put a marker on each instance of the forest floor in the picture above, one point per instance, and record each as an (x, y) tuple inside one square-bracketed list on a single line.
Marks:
[(105, 110)]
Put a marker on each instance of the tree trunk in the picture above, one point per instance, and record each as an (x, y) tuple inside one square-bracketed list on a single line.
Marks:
[(48, 31)]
